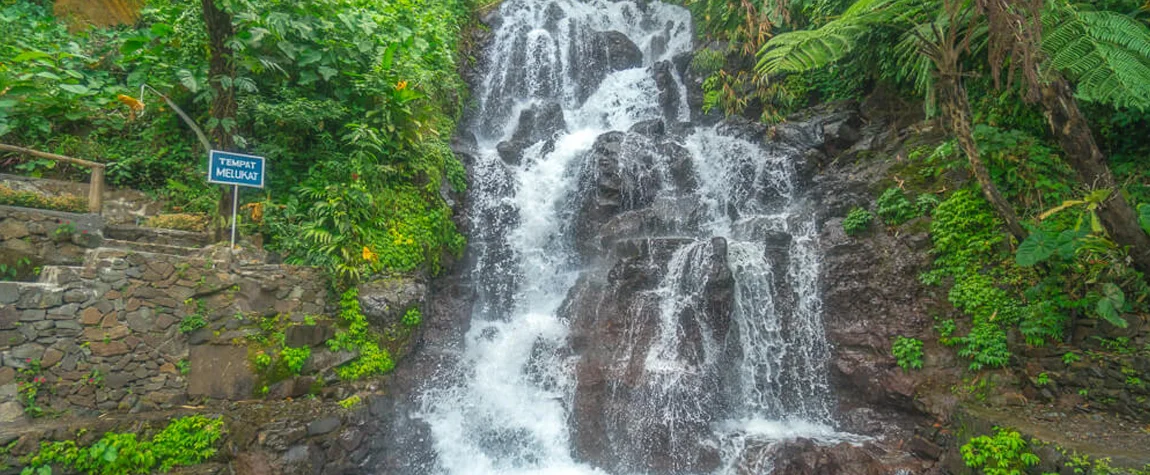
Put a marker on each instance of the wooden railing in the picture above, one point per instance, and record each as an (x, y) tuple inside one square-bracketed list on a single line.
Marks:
[(96, 187)]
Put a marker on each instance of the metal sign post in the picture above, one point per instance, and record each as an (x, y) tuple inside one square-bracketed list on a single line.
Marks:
[(236, 169)]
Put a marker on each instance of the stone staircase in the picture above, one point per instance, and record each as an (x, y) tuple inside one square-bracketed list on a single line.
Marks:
[(120, 241)]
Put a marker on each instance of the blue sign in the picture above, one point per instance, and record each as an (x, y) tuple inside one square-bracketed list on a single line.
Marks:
[(227, 168)]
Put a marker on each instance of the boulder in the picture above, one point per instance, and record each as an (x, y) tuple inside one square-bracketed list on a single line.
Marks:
[(384, 301)]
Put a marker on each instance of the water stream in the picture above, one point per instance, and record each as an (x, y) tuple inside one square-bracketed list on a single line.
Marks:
[(748, 373)]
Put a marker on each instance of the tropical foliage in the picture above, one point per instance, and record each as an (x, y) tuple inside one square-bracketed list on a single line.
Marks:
[(351, 101)]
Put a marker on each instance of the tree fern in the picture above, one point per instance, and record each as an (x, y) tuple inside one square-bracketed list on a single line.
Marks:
[(1105, 53), (805, 50)]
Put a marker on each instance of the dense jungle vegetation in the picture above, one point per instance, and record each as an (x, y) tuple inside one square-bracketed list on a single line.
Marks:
[(352, 100)]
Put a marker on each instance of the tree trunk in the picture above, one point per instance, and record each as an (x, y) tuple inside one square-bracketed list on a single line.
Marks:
[(1077, 141), (956, 108), (219, 26)]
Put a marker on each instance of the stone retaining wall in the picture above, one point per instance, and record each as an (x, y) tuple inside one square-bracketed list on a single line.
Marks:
[(46, 237), (107, 336)]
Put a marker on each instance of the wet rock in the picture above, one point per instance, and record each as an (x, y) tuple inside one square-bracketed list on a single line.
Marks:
[(323, 426), (805, 457), (539, 122), (599, 54), (650, 128), (669, 97), (615, 327), (620, 52), (384, 301)]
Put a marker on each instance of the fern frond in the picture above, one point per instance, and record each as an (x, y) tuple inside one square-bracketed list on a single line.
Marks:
[(805, 50), (1105, 53)]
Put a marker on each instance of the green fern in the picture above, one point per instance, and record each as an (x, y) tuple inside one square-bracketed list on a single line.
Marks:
[(1105, 53), (804, 50)]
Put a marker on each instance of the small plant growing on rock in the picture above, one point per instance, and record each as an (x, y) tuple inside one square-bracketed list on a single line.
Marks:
[(1042, 380), (295, 358), (413, 317), (925, 203), (908, 352), (262, 361), (30, 388), (192, 323), (894, 207), (857, 221), (350, 402), (64, 231), (1070, 358), (184, 366), (1005, 453)]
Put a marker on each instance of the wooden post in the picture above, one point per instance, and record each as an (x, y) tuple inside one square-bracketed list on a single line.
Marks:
[(96, 191)]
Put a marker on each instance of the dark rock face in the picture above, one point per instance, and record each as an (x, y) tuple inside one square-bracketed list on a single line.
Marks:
[(669, 97), (384, 301), (602, 53), (615, 325), (536, 123), (621, 181)]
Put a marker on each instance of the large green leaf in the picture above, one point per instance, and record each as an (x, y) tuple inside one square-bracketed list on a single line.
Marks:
[(1037, 247), (75, 88), (1111, 304)]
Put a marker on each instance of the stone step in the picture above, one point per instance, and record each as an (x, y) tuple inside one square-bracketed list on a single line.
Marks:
[(60, 275), (151, 248), (169, 237)]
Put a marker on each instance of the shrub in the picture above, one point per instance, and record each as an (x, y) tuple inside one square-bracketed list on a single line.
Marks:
[(27, 199), (908, 352), (857, 221), (295, 358), (373, 359), (1005, 453), (185, 441), (894, 208)]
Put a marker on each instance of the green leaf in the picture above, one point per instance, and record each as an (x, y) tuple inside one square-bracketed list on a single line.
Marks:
[(188, 80), (1110, 305), (75, 88), (162, 29), (111, 454), (30, 55), (1036, 248), (131, 45), (1068, 242), (327, 72)]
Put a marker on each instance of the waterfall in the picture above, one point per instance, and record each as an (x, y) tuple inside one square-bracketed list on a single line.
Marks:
[(646, 291)]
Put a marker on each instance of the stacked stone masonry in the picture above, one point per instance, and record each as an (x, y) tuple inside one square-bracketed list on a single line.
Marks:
[(106, 336)]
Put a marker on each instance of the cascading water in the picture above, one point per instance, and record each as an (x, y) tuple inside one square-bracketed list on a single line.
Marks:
[(645, 292)]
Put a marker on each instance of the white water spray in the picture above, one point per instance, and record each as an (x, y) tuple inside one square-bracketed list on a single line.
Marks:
[(507, 406)]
